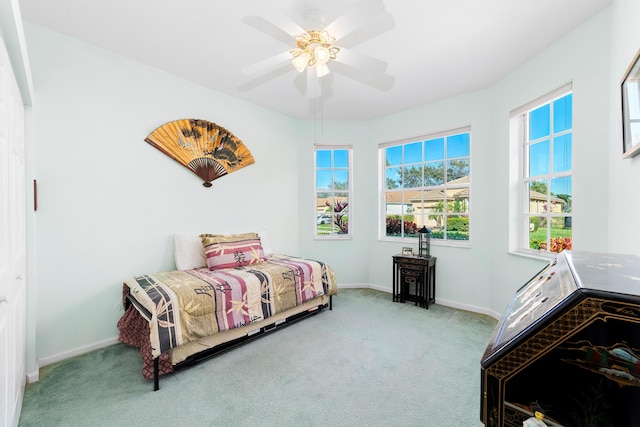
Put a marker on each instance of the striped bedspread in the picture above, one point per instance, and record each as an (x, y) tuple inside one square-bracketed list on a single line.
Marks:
[(191, 304)]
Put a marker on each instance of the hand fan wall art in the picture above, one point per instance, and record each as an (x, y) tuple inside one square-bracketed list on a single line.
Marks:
[(208, 150)]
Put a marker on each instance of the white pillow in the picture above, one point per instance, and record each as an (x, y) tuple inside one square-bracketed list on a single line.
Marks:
[(265, 242), (188, 252)]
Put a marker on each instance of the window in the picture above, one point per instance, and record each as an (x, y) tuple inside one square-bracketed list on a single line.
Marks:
[(333, 191), (427, 183), (546, 179)]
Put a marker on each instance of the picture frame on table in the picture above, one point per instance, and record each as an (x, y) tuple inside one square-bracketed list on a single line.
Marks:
[(407, 251), (630, 87)]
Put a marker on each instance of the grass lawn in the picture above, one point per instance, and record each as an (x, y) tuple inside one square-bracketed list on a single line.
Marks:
[(324, 228), (541, 233)]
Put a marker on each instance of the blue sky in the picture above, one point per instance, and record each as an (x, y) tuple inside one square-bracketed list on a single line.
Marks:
[(326, 164), (556, 115)]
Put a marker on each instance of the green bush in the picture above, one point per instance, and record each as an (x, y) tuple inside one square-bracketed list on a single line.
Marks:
[(535, 244), (451, 235), (457, 235), (458, 223), (437, 235)]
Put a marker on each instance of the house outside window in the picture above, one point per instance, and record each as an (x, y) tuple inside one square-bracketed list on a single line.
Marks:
[(426, 182), (544, 135), (333, 188)]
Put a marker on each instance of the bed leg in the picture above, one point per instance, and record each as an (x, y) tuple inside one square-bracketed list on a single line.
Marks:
[(330, 302), (156, 374)]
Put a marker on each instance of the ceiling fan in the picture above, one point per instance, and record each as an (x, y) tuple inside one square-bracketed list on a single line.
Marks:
[(324, 48)]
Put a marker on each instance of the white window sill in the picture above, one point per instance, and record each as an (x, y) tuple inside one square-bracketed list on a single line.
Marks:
[(540, 256), (333, 237), (465, 244)]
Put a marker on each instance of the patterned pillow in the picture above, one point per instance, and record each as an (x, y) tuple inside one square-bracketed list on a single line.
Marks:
[(229, 251)]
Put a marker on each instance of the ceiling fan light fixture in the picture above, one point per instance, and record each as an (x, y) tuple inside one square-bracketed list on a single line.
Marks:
[(300, 59), (314, 48), (321, 54), (321, 69), (303, 39), (325, 38)]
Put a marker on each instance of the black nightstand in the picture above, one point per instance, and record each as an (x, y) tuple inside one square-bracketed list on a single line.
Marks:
[(414, 279)]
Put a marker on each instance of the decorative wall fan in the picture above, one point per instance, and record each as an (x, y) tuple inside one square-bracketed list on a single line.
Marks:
[(327, 47), (208, 150)]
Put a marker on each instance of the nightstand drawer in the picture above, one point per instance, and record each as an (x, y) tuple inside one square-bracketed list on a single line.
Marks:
[(404, 266)]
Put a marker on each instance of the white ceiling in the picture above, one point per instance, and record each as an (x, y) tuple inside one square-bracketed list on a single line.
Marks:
[(435, 48)]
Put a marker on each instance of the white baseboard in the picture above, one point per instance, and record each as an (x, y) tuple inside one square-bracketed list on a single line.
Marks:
[(356, 285), (35, 376), (468, 307), (452, 304)]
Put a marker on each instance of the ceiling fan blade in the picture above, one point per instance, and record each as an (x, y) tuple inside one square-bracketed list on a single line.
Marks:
[(359, 60), (268, 64), (278, 26), (374, 28), (264, 78), (380, 81), (287, 25), (355, 17)]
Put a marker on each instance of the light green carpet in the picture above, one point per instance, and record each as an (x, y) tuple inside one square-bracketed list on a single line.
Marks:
[(369, 362)]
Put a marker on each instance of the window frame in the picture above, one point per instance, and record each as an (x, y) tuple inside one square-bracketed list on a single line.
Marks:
[(324, 147), (382, 186), (520, 178)]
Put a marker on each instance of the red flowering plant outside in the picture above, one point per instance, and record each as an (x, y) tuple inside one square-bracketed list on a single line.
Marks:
[(556, 244), (395, 225), (340, 219)]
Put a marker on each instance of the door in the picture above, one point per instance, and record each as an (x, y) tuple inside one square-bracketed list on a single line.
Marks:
[(12, 246)]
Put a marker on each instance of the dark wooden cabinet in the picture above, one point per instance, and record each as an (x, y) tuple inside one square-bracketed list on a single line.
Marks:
[(570, 342), (414, 279)]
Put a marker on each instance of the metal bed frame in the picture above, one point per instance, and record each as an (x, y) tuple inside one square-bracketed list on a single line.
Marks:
[(224, 347)]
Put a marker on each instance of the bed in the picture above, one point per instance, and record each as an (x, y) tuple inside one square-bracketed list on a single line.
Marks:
[(226, 290)]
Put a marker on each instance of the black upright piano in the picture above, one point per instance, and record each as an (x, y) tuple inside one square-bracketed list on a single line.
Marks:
[(569, 342)]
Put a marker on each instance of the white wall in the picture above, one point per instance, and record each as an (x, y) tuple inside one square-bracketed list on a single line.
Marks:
[(624, 175), (485, 276), (109, 202), (465, 286), (580, 57), (347, 257)]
